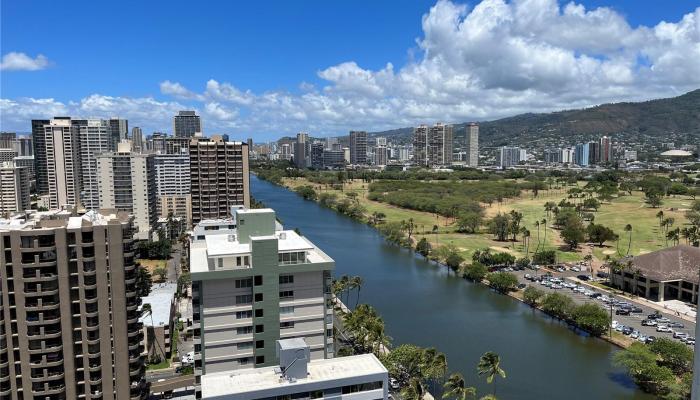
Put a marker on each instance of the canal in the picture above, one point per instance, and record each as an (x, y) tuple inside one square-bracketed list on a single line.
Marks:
[(423, 305)]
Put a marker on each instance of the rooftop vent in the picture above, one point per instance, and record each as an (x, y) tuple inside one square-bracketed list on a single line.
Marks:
[(231, 238), (283, 235), (294, 356)]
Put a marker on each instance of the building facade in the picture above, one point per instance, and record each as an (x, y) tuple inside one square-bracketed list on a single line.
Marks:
[(508, 156), (58, 163), (254, 287), (219, 177), (473, 139), (358, 147), (118, 131), (95, 137), (137, 139), (301, 150), (127, 183), (14, 188), (69, 308), (186, 124)]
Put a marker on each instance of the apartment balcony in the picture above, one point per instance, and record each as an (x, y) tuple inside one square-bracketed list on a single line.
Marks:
[(47, 389), (136, 370), (46, 360), (41, 347), (41, 289), (41, 305), (43, 332), (94, 366), (48, 376), (89, 269), (42, 319)]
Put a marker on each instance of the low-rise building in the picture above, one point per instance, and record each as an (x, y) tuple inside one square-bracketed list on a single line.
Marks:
[(159, 322), (360, 377), (667, 274)]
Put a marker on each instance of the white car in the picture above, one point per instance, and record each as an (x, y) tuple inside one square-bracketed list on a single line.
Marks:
[(663, 328), (635, 335), (576, 269), (680, 335), (615, 324)]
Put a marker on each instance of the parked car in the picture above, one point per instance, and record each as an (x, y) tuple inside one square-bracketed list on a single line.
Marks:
[(576, 269), (690, 341), (560, 269), (528, 277), (680, 335), (622, 311), (663, 328), (663, 320), (636, 310), (649, 322), (676, 325), (627, 331), (650, 339), (393, 383), (584, 277), (654, 316), (521, 286), (635, 335)]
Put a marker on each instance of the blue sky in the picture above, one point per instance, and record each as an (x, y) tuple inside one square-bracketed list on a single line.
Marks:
[(328, 67)]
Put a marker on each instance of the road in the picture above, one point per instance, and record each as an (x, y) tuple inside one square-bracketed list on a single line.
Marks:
[(632, 320)]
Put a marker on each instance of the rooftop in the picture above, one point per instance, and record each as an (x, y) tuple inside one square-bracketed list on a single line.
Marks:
[(257, 379), (681, 262), (160, 299), (61, 218)]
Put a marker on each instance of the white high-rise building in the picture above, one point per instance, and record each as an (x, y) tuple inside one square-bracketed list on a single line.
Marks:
[(95, 138), (473, 137), (380, 156), (14, 188), (137, 139), (508, 156), (63, 173), (173, 184), (127, 183)]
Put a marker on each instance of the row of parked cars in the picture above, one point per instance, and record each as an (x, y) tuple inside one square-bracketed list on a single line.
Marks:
[(632, 333)]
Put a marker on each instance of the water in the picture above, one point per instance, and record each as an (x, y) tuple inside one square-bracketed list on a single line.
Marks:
[(422, 304)]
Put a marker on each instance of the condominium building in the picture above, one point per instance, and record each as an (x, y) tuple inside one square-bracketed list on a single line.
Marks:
[(162, 144), (316, 155), (219, 177), (433, 146), (186, 124), (582, 154), (357, 377), (118, 131), (358, 147), (7, 155), (606, 150), (552, 156), (420, 145), (26, 162), (137, 139), (7, 140), (253, 287), (302, 150), (333, 158), (177, 205), (159, 321), (95, 137), (57, 160), (173, 184), (14, 188), (127, 183), (381, 157), (508, 156), (69, 308), (473, 142)]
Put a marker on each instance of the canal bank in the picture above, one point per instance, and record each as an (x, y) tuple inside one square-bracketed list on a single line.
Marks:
[(421, 304)]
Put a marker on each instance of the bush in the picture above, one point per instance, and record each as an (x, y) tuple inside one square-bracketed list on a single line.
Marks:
[(503, 282), (307, 192), (674, 355), (545, 257), (591, 318), (558, 305), (475, 272), (423, 247), (532, 295)]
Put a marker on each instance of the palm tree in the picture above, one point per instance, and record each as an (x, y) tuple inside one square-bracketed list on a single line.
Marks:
[(660, 216), (146, 310), (537, 224), (588, 258), (526, 240), (435, 231), (456, 388), (344, 285), (628, 229), (544, 239), (357, 282), (490, 365), (414, 390)]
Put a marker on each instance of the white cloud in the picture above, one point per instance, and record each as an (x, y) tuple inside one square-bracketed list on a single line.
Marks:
[(15, 61), (493, 60)]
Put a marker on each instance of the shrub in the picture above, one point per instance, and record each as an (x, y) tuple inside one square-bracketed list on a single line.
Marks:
[(532, 295), (503, 281), (475, 272)]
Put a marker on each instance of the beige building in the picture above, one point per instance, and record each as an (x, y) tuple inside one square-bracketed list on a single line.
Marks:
[(14, 188), (127, 183), (61, 151), (219, 177), (159, 322), (69, 308), (179, 205)]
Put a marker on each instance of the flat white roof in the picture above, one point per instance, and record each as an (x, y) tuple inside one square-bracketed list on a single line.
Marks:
[(257, 379), (160, 299)]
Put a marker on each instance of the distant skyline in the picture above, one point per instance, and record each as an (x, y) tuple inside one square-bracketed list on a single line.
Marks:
[(264, 70)]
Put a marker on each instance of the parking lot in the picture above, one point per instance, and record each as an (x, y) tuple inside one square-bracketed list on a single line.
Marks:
[(633, 320)]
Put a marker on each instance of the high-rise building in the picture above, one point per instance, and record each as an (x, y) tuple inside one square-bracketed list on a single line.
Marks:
[(14, 188), (219, 177), (40, 161), (380, 156), (7, 140), (334, 158), (137, 139), (58, 166), (358, 147), (173, 184), (26, 162), (253, 286), (380, 141), (606, 150), (316, 155), (420, 145), (582, 155), (24, 146), (473, 141), (552, 156), (7, 155), (118, 131), (301, 150), (593, 153), (95, 138), (168, 144), (440, 142), (127, 183), (508, 156), (69, 308), (186, 124)]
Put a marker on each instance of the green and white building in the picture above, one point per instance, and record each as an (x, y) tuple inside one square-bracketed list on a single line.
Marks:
[(253, 284)]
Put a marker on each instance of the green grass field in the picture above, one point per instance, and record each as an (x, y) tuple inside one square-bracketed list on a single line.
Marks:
[(623, 210)]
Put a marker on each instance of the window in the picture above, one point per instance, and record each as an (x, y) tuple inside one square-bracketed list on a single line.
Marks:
[(259, 313), (259, 359), (244, 299), (259, 344), (284, 279), (246, 330), (258, 280), (259, 328), (244, 314), (244, 283), (244, 346), (286, 325), (286, 294), (245, 360), (238, 261), (246, 260), (258, 297), (287, 310), (220, 262)]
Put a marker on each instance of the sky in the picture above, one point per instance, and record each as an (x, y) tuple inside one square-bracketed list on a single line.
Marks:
[(268, 69)]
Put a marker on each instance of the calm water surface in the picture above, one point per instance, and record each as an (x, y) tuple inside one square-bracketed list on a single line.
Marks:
[(421, 304)]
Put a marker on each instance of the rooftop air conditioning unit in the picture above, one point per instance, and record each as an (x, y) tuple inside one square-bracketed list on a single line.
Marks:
[(231, 238), (283, 235)]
